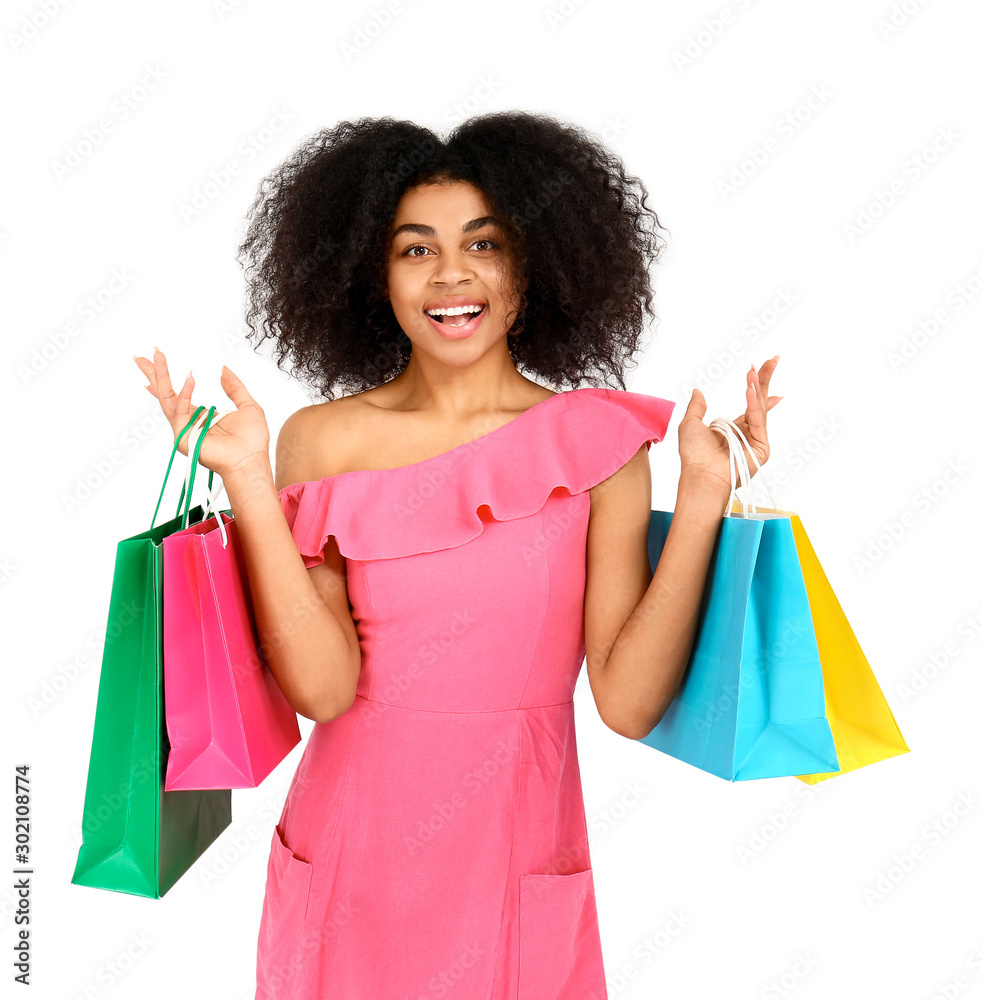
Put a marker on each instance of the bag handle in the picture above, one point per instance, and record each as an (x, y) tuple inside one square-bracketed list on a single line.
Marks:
[(173, 454), (194, 444), (194, 448), (211, 496), (739, 459), (189, 480)]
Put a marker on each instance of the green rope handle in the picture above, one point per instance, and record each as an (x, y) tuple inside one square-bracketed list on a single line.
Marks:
[(194, 466), (180, 501), (173, 454)]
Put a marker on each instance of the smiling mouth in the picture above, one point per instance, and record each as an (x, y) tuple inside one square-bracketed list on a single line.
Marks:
[(462, 320)]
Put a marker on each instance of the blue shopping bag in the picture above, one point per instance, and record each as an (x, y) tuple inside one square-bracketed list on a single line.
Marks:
[(752, 700)]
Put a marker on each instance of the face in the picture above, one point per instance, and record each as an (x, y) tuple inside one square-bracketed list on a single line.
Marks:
[(445, 252)]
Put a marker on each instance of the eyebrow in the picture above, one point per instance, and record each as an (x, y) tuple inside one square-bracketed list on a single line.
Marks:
[(418, 229)]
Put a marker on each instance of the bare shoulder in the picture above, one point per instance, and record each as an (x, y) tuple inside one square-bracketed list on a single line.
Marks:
[(312, 441), (368, 430)]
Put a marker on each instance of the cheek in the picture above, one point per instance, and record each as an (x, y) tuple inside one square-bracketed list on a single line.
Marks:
[(499, 282), (404, 295)]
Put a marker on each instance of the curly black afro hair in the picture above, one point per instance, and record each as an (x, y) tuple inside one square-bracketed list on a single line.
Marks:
[(581, 235)]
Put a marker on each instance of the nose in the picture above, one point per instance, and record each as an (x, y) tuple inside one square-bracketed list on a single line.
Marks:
[(452, 267)]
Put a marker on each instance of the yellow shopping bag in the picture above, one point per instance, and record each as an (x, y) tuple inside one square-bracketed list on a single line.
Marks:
[(863, 727)]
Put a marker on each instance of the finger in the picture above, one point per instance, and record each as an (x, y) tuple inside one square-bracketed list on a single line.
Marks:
[(765, 373), (176, 405), (186, 390), (752, 454), (742, 423), (165, 391), (753, 461), (146, 368), (755, 396), (235, 388), (696, 408), (755, 418)]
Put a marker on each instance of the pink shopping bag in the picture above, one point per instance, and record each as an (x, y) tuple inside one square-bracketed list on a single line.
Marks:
[(228, 722)]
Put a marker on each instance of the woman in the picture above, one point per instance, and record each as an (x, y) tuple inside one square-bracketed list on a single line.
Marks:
[(438, 551)]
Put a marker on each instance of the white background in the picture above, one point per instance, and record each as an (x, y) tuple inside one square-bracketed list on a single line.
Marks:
[(684, 93)]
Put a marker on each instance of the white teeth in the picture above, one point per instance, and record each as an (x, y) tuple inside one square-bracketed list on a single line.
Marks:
[(457, 311)]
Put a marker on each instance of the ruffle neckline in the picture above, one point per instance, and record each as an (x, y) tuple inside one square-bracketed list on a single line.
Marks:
[(574, 440)]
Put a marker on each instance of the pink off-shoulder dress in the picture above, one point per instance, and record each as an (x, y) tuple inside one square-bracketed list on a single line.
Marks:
[(433, 842)]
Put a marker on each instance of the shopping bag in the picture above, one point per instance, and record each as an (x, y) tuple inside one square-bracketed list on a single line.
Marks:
[(137, 837), (228, 722), (751, 703), (863, 726)]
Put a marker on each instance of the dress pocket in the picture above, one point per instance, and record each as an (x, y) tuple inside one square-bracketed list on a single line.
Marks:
[(281, 954), (559, 956)]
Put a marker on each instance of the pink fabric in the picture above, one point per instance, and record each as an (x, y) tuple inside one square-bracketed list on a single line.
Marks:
[(434, 840)]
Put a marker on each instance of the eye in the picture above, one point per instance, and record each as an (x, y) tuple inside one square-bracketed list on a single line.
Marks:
[(408, 252)]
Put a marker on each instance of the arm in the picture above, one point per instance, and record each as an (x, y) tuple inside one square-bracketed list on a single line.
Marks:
[(303, 616), (640, 627)]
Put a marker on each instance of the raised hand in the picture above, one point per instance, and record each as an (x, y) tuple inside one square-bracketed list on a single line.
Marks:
[(238, 439), (705, 452)]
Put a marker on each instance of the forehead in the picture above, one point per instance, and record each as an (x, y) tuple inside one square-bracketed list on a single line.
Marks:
[(447, 209)]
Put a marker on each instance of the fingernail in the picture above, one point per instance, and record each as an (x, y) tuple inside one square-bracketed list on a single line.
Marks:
[(156, 350), (777, 357)]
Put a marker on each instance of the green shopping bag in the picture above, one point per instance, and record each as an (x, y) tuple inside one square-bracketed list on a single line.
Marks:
[(137, 838)]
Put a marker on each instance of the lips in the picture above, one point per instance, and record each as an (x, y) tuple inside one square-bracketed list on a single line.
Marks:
[(458, 332), (452, 301), (466, 317)]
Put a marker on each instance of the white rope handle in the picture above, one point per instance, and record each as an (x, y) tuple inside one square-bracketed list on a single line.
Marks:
[(738, 459), (209, 509)]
